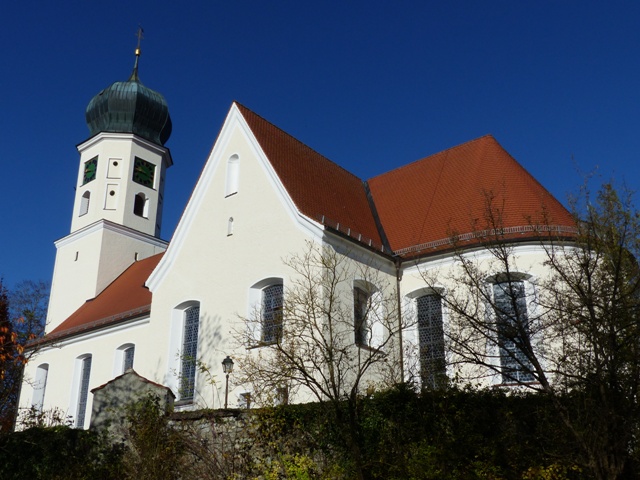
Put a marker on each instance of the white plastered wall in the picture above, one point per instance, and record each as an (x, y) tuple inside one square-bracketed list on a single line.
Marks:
[(207, 265), (62, 382)]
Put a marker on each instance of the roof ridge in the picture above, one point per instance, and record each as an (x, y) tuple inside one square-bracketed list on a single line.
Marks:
[(243, 107), (446, 150)]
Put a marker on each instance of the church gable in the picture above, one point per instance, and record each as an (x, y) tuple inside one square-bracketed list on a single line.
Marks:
[(239, 191), (321, 189)]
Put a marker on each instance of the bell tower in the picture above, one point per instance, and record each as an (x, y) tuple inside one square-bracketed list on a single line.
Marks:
[(117, 211)]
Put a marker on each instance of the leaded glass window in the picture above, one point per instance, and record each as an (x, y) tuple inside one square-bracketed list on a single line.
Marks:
[(431, 340), (83, 396), (360, 322), (189, 352), (272, 313), (128, 358), (510, 304)]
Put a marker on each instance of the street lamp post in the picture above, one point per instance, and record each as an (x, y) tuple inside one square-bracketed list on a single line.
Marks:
[(227, 368)]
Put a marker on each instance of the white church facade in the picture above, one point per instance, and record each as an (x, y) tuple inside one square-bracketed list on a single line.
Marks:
[(123, 298)]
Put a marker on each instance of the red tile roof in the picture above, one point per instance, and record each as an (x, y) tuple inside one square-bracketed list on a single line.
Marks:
[(318, 187), (428, 200), (125, 298)]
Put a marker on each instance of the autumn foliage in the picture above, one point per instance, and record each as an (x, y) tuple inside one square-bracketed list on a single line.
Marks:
[(16, 330)]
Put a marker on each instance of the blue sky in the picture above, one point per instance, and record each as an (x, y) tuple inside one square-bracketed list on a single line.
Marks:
[(371, 85)]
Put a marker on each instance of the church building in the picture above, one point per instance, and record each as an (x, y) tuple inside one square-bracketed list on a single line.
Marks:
[(123, 298)]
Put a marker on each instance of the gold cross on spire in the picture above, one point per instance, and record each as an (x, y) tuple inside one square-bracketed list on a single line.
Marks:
[(140, 35)]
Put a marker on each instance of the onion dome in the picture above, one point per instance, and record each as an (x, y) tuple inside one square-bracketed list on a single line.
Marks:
[(130, 107)]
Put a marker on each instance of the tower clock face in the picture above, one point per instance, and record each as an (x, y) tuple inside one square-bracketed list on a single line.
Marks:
[(90, 167), (143, 172)]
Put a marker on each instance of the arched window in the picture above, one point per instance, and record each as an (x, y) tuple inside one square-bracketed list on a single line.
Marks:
[(266, 304), (141, 205), (431, 340), (128, 358), (124, 358), (513, 329), (230, 227), (272, 313), (40, 386), (233, 175), (84, 366), (367, 315), (84, 203), (189, 353)]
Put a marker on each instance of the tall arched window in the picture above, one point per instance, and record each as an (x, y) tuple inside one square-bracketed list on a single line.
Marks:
[(40, 386), (431, 340), (189, 353), (124, 358), (84, 366), (266, 302), (84, 203), (368, 315), (233, 175), (514, 335), (272, 313)]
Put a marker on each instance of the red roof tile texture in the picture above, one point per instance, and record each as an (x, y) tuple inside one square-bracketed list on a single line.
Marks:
[(316, 185), (446, 193), (126, 297)]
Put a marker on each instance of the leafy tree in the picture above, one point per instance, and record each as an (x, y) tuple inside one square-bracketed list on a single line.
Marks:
[(315, 352), (573, 336), (22, 318), (28, 303), (11, 360)]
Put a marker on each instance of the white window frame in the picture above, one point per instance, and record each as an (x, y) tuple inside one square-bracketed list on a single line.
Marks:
[(233, 175), (40, 386), (174, 373), (77, 390), (85, 200)]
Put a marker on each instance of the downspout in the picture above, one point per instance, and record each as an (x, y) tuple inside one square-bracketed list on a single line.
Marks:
[(398, 264)]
